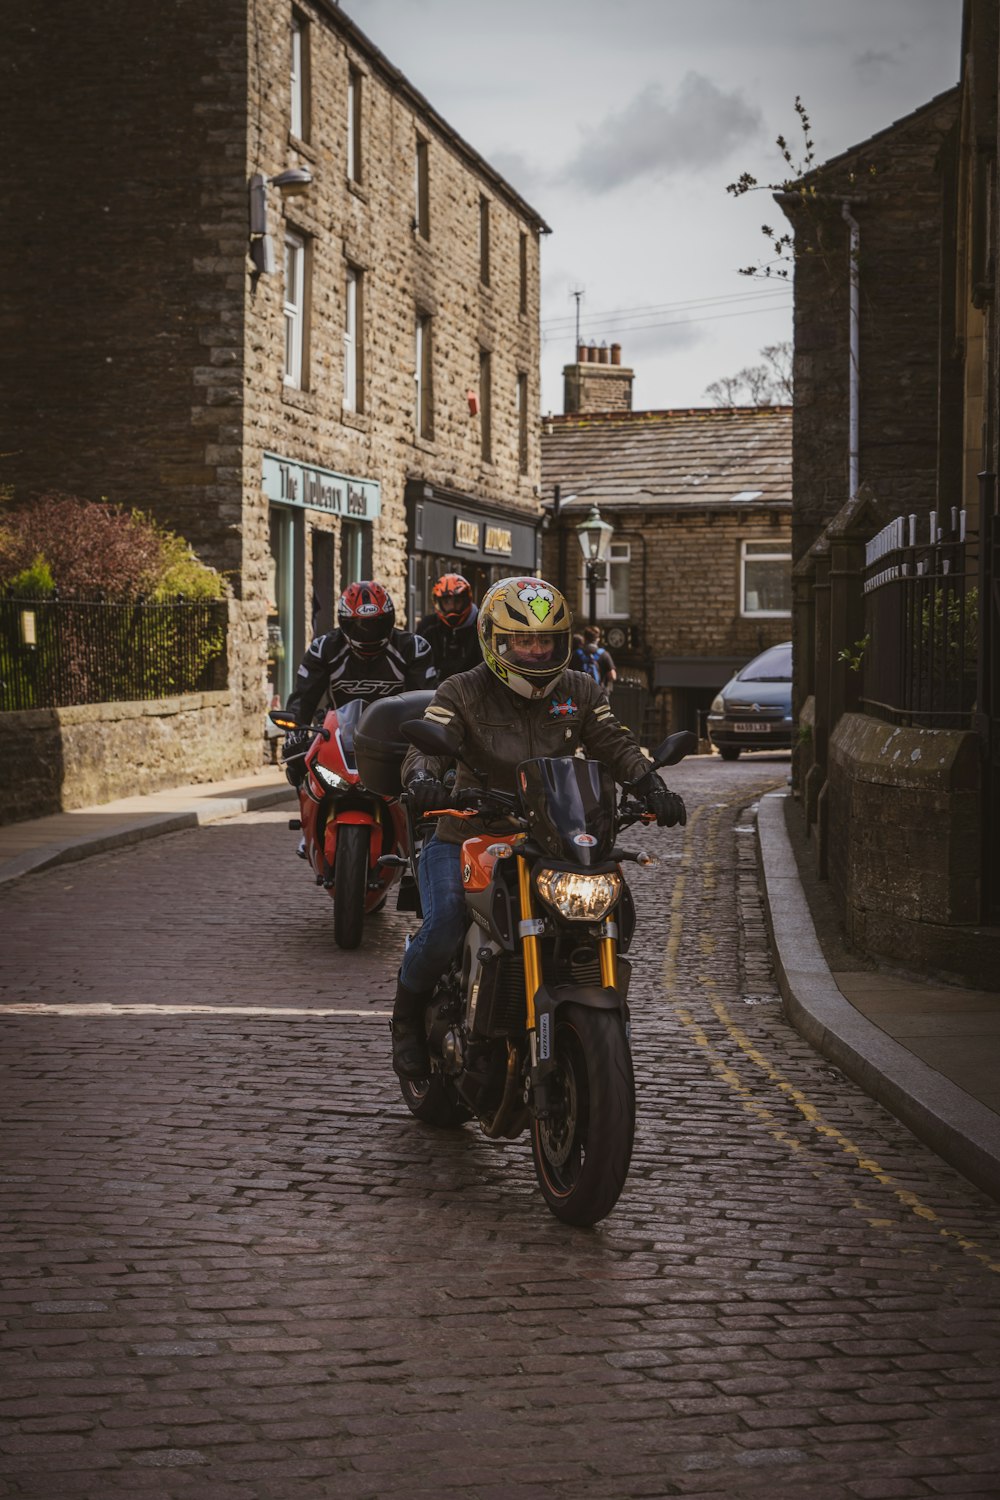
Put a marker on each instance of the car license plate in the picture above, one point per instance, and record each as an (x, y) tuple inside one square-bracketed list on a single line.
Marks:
[(751, 727)]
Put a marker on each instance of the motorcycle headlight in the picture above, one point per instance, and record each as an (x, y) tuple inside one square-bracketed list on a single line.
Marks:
[(578, 895), (718, 706), (329, 779)]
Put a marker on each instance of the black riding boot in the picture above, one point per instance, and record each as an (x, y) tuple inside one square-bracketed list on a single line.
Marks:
[(410, 1058)]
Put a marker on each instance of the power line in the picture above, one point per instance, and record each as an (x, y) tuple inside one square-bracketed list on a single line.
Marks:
[(625, 312), (688, 322)]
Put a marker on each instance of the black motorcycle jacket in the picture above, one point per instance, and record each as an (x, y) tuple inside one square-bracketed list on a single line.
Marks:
[(499, 729), (330, 666), (453, 650)]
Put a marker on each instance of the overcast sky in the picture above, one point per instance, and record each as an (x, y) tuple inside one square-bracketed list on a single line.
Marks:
[(621, 122)]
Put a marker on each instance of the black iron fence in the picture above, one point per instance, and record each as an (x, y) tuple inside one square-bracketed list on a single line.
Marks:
[(59, 652), (920, 647)]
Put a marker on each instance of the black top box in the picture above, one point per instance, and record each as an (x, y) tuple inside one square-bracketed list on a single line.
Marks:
[(379, 745)]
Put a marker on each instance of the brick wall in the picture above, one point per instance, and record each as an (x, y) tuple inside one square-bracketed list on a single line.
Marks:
[(895, 185)]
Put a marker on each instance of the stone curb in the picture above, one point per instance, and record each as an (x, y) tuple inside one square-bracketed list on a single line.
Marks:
[(136, 828), (960, 1129)]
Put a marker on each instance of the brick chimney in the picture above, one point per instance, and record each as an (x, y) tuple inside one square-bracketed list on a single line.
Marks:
[(598, 381)]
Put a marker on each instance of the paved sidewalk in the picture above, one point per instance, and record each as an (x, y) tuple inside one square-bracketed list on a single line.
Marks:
[(42, 842), (927, 1051)]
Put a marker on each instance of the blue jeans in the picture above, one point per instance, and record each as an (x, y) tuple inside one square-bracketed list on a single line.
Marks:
[(444, 924)]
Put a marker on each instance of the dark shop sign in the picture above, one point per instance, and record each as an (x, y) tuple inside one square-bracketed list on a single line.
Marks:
[(289, 482)]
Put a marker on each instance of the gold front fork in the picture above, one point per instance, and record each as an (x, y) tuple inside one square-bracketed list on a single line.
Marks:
[(530, 945), (609, 962)]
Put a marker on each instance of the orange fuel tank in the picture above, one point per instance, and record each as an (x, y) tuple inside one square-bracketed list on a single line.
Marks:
[(479, 855)]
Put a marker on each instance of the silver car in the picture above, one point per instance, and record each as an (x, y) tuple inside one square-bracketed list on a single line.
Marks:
[(754, 709)]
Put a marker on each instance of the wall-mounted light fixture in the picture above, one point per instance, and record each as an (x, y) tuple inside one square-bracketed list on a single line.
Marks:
[(291, 183)]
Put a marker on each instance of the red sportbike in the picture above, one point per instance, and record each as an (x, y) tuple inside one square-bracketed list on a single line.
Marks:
[(355, 839)]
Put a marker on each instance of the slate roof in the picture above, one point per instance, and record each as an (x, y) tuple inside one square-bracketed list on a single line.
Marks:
[(657, 460)]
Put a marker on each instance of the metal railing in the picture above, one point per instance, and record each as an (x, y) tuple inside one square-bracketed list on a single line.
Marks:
[(55, 653), (920, 647)]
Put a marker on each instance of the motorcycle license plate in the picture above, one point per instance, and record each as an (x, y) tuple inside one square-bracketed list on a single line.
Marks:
[(751, 728)]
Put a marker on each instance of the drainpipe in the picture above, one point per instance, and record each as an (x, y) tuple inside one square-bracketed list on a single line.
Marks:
[(855, 343)]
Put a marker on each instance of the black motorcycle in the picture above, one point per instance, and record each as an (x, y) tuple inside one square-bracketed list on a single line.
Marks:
[(529, 1029)]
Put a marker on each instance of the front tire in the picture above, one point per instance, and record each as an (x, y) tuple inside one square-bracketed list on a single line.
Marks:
[(433, 1101), (582, 1152), (350, 883)]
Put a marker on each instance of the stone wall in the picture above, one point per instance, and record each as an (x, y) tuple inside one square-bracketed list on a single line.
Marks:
[(369, 225), (684, 580), (904, 832), (62, 758)]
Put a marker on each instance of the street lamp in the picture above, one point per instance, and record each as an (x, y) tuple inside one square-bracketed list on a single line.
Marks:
[(291, 184), (595, 539)]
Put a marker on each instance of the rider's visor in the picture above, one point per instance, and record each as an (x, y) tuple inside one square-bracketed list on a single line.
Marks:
[(531, 648)]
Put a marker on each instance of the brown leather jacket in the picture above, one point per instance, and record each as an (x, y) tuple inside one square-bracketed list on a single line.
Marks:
[(499, 729)]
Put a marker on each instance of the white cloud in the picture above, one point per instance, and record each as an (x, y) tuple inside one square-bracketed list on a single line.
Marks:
[(654, 137)]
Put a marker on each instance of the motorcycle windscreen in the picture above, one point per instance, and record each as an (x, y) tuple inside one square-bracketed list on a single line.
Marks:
[(348, 715), (570, 807)]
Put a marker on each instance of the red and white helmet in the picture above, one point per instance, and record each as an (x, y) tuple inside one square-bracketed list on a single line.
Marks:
[(452, 595), (366, 615)]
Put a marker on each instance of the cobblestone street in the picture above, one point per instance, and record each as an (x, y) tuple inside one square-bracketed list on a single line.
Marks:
[(236, 1269)]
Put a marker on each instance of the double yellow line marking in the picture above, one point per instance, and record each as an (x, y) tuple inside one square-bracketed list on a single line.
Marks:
[(809, 1111)]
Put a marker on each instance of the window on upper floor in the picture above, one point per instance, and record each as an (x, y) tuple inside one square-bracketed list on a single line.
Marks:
[(484, 240), (423, 376), (765, 578), (299, 77), (354, 367), (522, 271), (296, 292), (354, 87), (422, 190), (521, 400), (486, 405), (611, 597)]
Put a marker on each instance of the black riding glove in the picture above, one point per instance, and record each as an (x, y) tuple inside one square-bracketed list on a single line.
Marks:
[(296, 741), (667, 805), (426, 794)]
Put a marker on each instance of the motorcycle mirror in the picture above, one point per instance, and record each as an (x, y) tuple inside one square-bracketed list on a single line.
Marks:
[(431, 739), (281, 720), (675, 747)]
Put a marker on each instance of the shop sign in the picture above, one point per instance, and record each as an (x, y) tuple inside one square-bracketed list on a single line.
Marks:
[(467, 534), (499, 539), (294, 483)]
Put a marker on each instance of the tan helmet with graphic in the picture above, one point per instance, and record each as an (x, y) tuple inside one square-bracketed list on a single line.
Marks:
[(524, 632)]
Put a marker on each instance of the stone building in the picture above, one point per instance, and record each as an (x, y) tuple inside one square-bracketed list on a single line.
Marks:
[(260, 288), (896, 524), (698, 577)]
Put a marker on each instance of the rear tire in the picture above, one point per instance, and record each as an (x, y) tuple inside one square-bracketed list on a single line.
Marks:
[(729, 752), (433, 1101), (350, 883), (582, 1153)]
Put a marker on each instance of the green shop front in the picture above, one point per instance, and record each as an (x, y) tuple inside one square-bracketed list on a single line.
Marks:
[(320, 525)]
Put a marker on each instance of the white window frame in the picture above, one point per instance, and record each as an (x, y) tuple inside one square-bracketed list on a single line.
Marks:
[(295, 307), (778, 552), (353, 124), (352, 291), (619, 554), (424, 395), (297, 77)]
